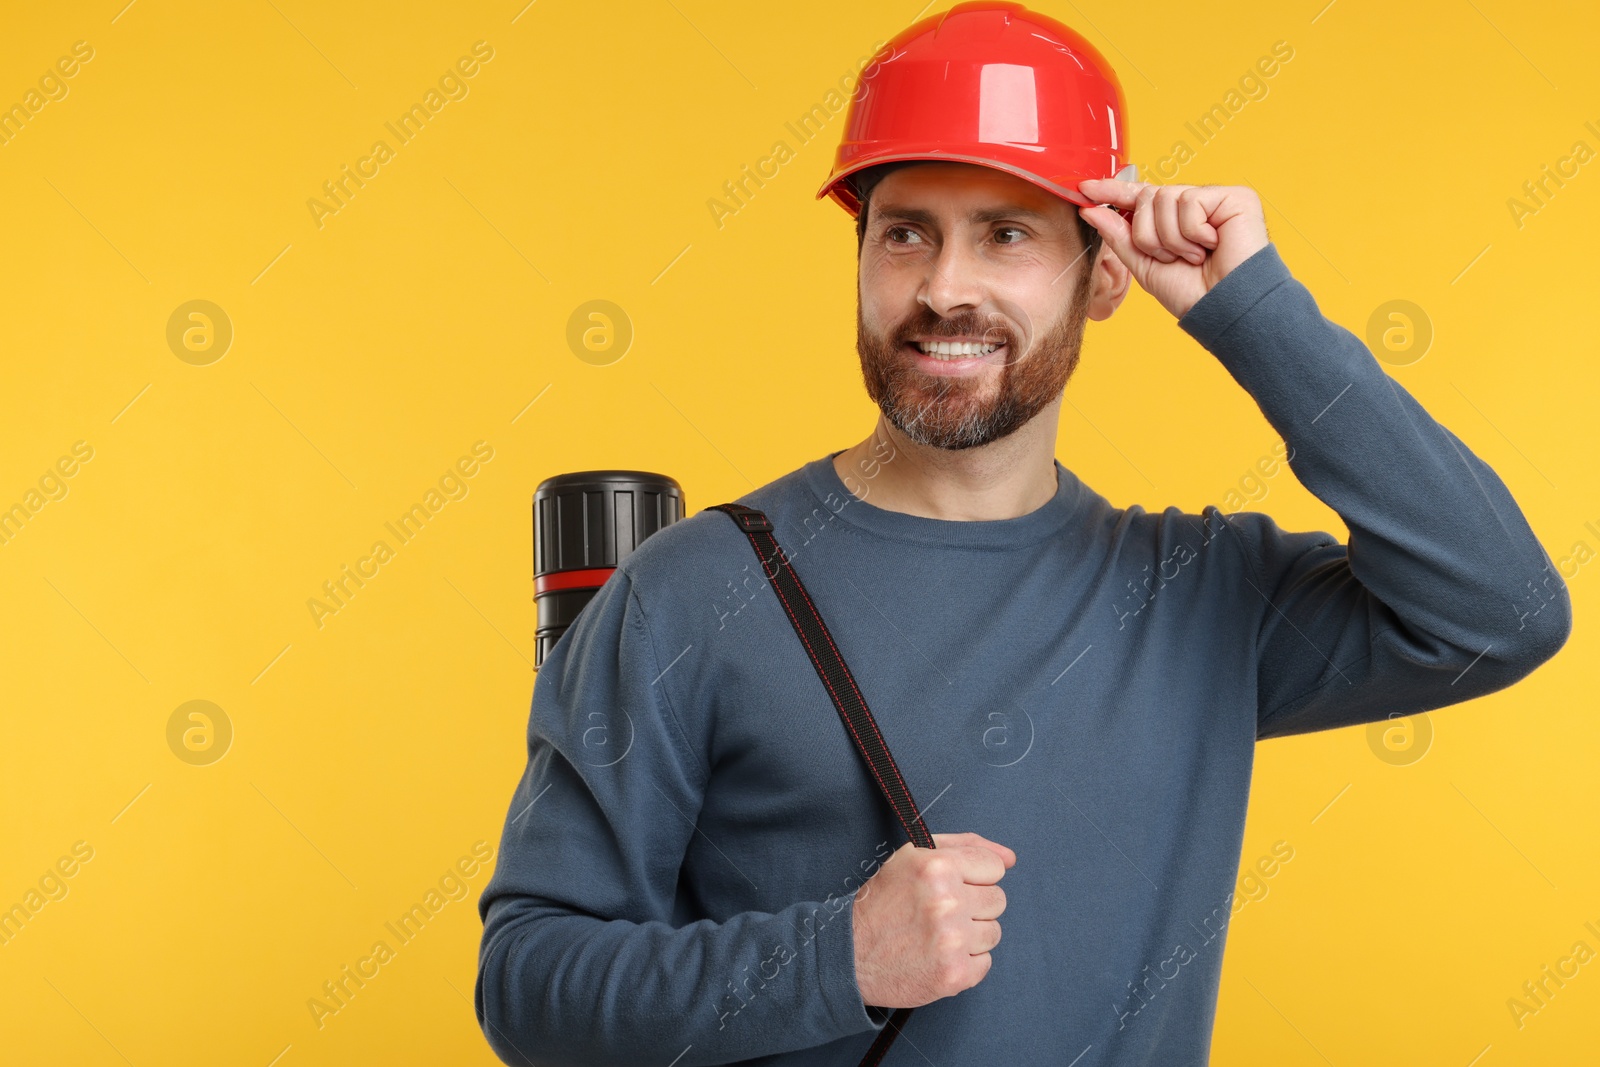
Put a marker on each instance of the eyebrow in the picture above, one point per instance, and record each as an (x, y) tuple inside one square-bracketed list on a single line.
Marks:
[(898, 213)]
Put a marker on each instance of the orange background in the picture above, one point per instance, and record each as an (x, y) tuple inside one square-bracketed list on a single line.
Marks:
[(365, 753)]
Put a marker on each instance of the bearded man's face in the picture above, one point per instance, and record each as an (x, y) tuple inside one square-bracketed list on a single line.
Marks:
[(959, 252)]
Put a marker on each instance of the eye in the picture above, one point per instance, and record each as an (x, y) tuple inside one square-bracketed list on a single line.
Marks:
[(1011, 229), (892, 230)]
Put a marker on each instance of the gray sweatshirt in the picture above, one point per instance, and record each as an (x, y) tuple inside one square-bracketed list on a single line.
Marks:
[(1084, 684)]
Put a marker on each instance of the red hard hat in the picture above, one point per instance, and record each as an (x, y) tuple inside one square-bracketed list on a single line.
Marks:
[(993, 84)]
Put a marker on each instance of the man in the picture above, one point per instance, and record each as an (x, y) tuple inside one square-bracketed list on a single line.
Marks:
[(696, 867)]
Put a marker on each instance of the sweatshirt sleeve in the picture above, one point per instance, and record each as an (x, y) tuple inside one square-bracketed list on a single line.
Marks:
[(580, 960), (1443, 592)]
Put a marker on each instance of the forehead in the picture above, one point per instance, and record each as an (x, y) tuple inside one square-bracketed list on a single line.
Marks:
[(961, 190)]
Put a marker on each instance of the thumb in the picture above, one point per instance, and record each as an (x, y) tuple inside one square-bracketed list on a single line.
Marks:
[(1007, 855)]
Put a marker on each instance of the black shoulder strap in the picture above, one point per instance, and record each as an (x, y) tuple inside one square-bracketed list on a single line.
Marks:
[(847, 698), (836, 677)]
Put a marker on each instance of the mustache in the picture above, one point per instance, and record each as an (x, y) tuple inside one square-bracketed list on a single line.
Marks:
[(990, 331)]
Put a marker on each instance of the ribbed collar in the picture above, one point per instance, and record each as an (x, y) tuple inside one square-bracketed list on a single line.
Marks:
[(1042, 522)]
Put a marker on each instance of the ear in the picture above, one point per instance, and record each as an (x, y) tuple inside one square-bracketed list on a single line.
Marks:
[(1111, 281)]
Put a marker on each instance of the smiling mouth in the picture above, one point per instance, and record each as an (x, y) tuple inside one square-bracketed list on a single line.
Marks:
[(956, 354), (956, 349)]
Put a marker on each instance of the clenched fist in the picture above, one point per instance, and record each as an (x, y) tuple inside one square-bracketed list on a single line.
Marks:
[(925, 922), (1183, 239)]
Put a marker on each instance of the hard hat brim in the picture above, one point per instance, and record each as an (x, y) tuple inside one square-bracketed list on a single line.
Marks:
[(839, 188)]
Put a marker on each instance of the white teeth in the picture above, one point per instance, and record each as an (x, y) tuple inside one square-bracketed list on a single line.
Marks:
[(946, 349)]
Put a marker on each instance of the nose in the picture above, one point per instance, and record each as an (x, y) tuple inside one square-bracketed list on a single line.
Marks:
[(951, 284)]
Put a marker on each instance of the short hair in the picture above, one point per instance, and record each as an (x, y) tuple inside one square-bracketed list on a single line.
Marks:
[(863, 181)]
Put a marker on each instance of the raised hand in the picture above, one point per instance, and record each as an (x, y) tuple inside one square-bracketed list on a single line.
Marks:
[(1183, 239)]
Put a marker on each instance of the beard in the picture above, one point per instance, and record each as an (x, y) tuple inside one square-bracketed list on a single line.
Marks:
[(952, 412)]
